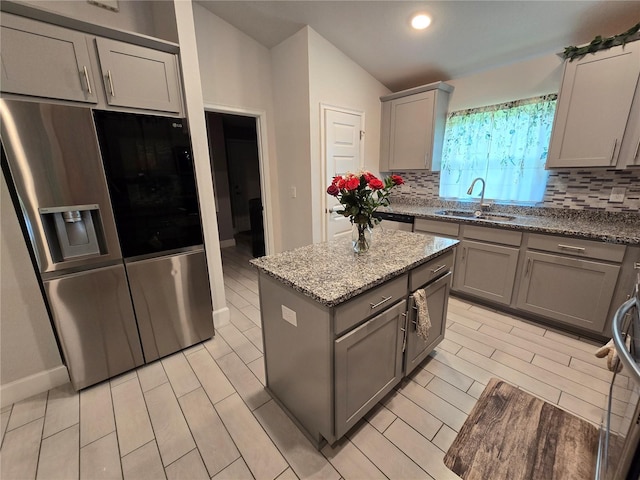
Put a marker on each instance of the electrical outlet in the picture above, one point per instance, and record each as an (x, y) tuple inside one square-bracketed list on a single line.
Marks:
[(405, 188), (293, 192), (617, 195), (289, 316)]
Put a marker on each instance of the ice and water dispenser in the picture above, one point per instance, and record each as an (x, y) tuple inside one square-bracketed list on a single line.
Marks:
[(73, 231)]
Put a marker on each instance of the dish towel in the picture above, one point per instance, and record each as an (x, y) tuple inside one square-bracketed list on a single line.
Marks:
[(423, 324), (609, 351)]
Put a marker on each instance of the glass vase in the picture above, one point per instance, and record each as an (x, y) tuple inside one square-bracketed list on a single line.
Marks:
[(360, 237)]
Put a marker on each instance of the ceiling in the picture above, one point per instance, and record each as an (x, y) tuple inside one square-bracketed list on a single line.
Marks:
[(465, 37)]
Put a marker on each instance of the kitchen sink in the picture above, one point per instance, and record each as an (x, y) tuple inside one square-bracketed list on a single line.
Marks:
[(479, 215)]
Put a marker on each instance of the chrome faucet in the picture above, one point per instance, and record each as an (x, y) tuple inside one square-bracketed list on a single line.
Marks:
[(470, 191)]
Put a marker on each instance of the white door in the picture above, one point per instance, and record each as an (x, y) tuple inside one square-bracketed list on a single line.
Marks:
[(343, 153)]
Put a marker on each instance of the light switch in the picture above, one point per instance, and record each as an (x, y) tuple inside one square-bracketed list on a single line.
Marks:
[(289, 315), (617, 195), (293, 192)]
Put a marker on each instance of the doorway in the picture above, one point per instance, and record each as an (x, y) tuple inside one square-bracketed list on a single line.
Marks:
[(235, 163)]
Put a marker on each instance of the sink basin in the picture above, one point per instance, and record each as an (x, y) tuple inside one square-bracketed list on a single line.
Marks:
[(496, 217)]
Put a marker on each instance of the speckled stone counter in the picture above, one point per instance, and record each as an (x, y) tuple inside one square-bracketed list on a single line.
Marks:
[(623, 228), (331, 273)]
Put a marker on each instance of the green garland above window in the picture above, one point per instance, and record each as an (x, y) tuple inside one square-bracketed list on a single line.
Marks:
[(600, 43)]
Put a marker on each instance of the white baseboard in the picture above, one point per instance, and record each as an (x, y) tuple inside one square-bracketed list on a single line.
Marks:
[(221, 317), (228, 243), (32, 385)]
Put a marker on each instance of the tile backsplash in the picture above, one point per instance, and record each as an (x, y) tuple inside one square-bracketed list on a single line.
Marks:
[(575, 189)]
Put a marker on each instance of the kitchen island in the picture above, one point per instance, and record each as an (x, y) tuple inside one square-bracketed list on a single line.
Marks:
[(339, 329)]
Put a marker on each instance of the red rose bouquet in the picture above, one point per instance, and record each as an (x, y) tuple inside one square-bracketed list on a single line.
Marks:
[(361, 194)]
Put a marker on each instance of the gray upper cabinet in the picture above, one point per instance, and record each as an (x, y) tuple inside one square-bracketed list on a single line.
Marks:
[(594, 115), (42, 60), (413, 124), (139, 77)]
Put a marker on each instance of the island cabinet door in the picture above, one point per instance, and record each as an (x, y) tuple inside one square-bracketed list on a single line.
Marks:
[(418, 348), (368, 364)]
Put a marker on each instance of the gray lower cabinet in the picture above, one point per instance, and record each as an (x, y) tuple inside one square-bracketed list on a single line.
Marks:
[(139, 77), (417, 349), (571, 290), (42, 60), (368, 364), (486, 270)]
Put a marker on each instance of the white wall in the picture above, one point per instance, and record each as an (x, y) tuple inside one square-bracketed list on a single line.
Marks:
[(290, 64), (235, 73), (29, 357), (336, 80), (529, 78)]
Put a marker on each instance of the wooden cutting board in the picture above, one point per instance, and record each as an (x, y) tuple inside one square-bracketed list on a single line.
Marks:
[(513, 435)]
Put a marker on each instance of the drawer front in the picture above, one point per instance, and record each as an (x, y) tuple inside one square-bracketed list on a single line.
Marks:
[(495, 235), (370, 303), (422, 225), (577, 246), (431, 270)]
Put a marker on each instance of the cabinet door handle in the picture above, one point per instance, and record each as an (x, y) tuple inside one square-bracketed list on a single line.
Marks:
[(111, 90), (571, 248), (464, 253), (384, 299), (635, 157), (613, 151), (526, 271), (404, 331), (436, 270), (86, 77), (415, 320)]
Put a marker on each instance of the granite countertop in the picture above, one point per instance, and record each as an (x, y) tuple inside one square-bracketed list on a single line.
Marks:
[(330, 273), (611, 227)]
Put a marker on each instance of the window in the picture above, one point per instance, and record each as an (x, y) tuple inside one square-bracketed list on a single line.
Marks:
[(505, 144)]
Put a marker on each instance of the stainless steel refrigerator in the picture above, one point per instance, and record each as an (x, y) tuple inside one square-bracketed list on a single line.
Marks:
[(110, 208)]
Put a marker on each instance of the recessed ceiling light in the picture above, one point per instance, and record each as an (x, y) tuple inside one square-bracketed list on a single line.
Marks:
[(420, 21)]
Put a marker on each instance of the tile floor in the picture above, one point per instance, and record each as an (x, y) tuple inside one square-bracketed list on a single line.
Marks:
[(203, 413)]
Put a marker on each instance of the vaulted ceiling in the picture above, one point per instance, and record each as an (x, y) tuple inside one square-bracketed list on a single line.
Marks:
[(465, 37)]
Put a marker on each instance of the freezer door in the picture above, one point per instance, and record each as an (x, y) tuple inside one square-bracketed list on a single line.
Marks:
[(94, 319), (172, 302)]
